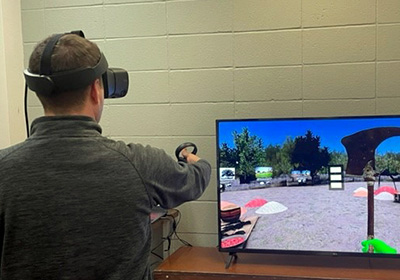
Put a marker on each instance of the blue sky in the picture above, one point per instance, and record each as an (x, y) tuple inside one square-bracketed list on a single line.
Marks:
[(330, 130)]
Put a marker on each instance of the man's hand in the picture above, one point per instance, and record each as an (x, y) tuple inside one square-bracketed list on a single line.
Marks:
[(190, 158)]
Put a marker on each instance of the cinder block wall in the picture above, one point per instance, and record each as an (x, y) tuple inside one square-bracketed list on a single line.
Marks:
[(193, 61)]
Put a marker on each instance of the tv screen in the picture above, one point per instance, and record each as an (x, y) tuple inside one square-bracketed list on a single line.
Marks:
[(309, 185)]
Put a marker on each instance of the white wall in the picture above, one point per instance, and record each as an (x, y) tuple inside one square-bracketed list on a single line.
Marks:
[(4, 125), (11, 78), (194, 61)]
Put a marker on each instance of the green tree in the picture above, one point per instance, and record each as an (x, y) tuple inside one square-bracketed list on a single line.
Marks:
[(307, 153), (250, 154), (227, 156), (271, 155), (279, 157), (389, 161), (338, 158), (285, 165)]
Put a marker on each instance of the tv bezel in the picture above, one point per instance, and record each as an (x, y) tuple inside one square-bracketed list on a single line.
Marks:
[(235, 250)]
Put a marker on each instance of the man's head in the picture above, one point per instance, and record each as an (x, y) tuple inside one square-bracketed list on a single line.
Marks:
[(71, 52)]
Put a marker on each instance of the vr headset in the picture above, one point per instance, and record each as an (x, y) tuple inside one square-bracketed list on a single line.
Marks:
[(115, 80)]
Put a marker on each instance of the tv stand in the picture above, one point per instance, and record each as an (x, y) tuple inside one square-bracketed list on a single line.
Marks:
[(232, 256), (194, 263)]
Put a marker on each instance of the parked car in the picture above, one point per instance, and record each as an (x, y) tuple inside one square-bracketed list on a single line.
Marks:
[(301, 177)]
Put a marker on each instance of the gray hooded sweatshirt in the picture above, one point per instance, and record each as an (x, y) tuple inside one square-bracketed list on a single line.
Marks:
[(76, 205)]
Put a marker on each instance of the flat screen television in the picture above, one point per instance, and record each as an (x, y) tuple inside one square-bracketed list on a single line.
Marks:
[(309, 185)]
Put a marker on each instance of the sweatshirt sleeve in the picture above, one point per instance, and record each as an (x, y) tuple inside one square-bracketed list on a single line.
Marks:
[(170, 183)]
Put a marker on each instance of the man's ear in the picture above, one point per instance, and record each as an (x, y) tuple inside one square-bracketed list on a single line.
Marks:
[(96, 91)]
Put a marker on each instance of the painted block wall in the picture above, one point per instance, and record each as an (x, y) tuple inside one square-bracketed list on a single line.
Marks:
[(194, 61), (11, 62)]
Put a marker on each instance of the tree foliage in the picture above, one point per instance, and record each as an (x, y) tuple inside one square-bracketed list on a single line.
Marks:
[(390, 162), (227, 156), (303, 152), (307, 153), (279, 157), (249, 154)]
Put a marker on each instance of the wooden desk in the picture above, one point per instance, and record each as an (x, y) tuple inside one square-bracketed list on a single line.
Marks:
[(200, 263)]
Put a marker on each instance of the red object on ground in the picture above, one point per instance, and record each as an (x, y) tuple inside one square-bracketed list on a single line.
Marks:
[(388, 189), (258, 202), (232, 241)]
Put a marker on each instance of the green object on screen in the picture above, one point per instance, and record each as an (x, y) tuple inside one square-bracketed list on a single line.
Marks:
[(380, 246)]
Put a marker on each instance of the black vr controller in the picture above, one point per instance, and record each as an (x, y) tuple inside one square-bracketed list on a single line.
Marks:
[(184, 146), (115, 80)]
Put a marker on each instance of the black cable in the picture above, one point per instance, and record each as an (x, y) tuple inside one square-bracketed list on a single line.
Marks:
[(167, 238), (175, 225), (157, 255), (26, 110)]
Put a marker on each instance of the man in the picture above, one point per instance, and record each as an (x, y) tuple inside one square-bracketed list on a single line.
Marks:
[(75, 204)]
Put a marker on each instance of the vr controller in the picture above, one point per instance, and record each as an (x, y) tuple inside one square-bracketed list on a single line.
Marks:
[(184, 146), (115, 80)]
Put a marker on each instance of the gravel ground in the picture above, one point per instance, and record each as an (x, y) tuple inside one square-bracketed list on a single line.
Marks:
[(318, 218)]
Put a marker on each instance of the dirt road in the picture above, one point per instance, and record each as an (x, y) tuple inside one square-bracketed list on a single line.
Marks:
[(318, 218)]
